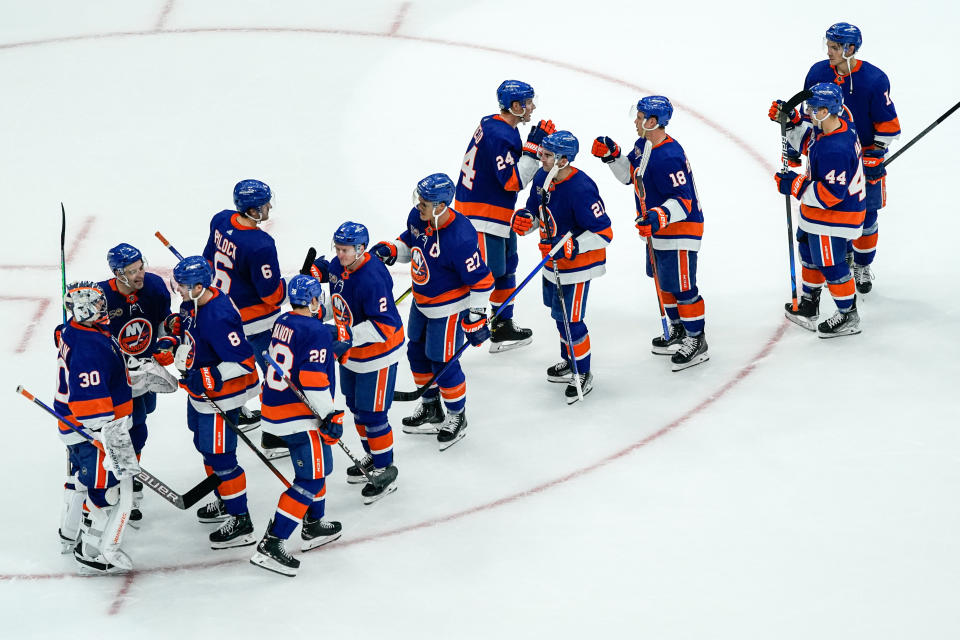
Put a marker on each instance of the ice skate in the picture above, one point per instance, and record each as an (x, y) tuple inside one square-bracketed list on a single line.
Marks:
[(426, 418), (355, 474), (216, 511), (661, 347), (273, 446), (506, 335), (559, 372), (452, 431), (316, 533), (272, 555), (248, 420), (692, 351), (586, 385), (807, 313), (237, 531), (863, 276), (92, 562), (67, 544), (371, 492), (842, 323)]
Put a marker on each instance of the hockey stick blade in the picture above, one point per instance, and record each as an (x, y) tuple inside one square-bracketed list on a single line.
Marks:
[(308, 261), (792, 103), (184, 501), (407, 396)]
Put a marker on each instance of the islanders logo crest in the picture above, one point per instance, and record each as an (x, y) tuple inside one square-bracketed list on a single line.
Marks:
[(341, 311), (135, 336), (419, 271), (548, 226)]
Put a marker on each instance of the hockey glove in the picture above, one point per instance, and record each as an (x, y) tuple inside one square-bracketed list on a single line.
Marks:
[(655, 220), (321, 269), (790, 183), (775, 112), (873, 168), (536, 136), (605, 149), (203, 380), (523, 222), (474, 323), (163, 352), (331, 427), (571, 248), (173, 325), (344, 341), (386, 251)]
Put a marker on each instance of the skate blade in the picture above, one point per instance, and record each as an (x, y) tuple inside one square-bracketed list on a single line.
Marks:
[(424, 429), (383, 494), (249, 427), (698, 360), (67, 547), (497, 347), (808, 324), (118, 558), (559, 379), (849, 332), (276, 454), (307, 545), (268, 563), (460, 436), (573, 399), (664, 351), (87, 570), (243, 541), (217, 520), (135, 524), (357, 480)]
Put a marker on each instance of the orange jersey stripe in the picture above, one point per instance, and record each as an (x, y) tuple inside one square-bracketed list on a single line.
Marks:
[(826, 197), (378, 348), (890, 126), (829, 216), (280, 413), (314, 380), (481, 210), (444, 297)]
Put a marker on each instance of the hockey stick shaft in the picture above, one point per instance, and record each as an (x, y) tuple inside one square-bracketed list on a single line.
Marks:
[(407, 396), (404, 295), (308, 262), (306, 402), (788, 107), (240, 434), (641, 198), (63, 261), (181, 501), (921, 134), (168, 245), (566, 329), (656, 286)]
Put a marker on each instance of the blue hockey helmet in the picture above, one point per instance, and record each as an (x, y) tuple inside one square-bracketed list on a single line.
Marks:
[(437, 187), (845, 33), (658, 107), (86, 301), (193, 270), (562, 144), (302, 289), (825, 94), (511, 91), (122, 256), (352, 233), (251, 194)]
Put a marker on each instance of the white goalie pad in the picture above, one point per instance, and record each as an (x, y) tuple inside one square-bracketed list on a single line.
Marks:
[(118, 448), (150, 376)]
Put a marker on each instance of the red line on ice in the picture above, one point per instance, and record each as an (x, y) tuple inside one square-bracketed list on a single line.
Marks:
[(703, 405)]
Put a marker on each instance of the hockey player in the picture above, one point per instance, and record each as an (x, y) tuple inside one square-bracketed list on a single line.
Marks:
[(670, 218), (362, 306), (866, 96), (451, 284), (495, 169), (831, 195), (303, 347), (244, 260), (93, 390), (139, 302), (565, 199), (219, 366)]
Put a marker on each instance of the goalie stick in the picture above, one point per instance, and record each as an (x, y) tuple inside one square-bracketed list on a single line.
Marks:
[(380, 481), (179, 500), (785, 111), (407, 396)]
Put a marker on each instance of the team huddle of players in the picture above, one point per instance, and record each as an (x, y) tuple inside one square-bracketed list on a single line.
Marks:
[(461, 243)]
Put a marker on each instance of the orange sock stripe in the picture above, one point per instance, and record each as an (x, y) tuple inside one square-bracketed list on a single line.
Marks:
[(292, 508), (233, 488), (381, 443), (581, 349), (866, 243), (844, 290), (693, 311), (812, 276), (452, 394), (499, 296), (668, 298), (361, 431), (422, 378)]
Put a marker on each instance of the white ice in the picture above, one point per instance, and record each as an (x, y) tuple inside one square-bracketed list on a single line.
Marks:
[(789, 488)]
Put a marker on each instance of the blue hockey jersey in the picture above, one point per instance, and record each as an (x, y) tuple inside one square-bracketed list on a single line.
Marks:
[(303, 347), (135, 320), (215, 336), (363, 299), (244, 260), (489, 182), (448, 273), (576, 206), (92, 381)]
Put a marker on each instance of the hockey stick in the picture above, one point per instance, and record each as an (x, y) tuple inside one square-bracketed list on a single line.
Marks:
[(308, 261), (788, 107), (63, 261), (381, 480), (168, 245), (240, 434), (403, 295), (641, 196), (922, 133), (407, 396), (179, 500)]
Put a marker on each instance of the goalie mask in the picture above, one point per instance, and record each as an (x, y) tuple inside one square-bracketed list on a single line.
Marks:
[(86, 302)]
